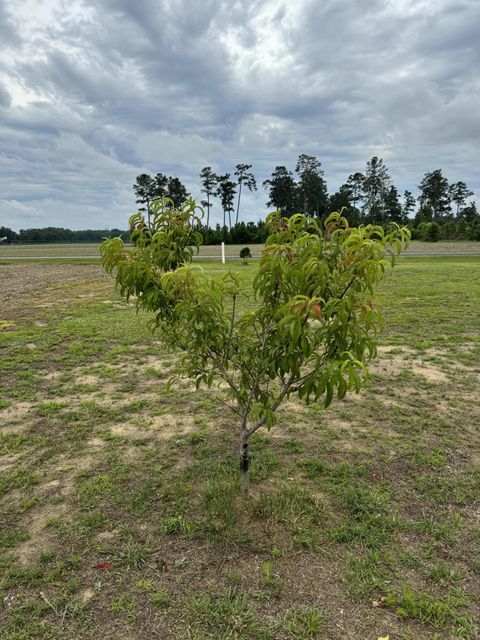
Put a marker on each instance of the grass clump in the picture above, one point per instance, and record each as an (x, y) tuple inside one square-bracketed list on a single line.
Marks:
[(227, 615), (304, 623), (432, 611)]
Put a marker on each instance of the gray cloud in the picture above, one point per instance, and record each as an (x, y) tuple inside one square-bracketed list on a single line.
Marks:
[(8, 32), (92, 95), (5, 97)]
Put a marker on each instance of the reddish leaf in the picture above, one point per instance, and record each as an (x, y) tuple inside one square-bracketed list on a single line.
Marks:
[(103, 565)]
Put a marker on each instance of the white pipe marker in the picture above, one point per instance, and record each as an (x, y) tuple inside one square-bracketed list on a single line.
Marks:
[(223, 253)]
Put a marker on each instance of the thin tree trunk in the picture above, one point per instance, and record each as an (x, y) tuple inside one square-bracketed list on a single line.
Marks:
[(238, 201), (208, 209), (244, 459)]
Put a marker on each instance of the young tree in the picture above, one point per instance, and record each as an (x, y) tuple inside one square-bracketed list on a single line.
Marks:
[(312, 187), (435, 194), (226, 192), (282, 191), (311, 333), (209, 181), (245, 254), (459, 192), (244, 177)]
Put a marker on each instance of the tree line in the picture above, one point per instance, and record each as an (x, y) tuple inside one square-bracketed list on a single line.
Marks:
[(58, 235), (441, 210)]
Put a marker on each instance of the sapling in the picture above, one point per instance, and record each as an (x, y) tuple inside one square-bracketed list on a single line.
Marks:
[(311, 328), (245, 254)]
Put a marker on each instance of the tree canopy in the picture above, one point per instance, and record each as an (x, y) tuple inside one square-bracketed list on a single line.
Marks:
[(311, 332)]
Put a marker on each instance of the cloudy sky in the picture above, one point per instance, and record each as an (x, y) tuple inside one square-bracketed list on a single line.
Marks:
[(92, 93)]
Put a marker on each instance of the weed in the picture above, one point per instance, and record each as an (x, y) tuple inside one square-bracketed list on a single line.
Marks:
[(227, 615), (270, 579), (123, 605), (304, 622), (433, 612), (160, 598)]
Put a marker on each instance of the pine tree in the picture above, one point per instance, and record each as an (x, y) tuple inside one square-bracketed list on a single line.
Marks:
[(312, 187), (244, 177), (282, 191), (435, 194), (209, 181)]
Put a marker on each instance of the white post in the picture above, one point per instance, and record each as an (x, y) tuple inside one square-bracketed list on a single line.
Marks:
[(223, 253)]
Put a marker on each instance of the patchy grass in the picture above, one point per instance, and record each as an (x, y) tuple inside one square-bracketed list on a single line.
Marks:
[(120, 502)]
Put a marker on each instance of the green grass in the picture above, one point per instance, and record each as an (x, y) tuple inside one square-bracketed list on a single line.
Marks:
[(372, 500)]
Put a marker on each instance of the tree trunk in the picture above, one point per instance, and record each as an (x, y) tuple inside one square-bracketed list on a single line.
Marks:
[(244, 461), (238, 202)]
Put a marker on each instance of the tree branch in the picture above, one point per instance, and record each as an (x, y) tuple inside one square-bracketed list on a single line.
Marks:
[(283, 393)]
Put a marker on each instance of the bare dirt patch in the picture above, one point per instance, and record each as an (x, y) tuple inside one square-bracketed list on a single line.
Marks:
[(15, 416), (88, 379), (36, 283), (169, 425), (391, 362), (40, 536)]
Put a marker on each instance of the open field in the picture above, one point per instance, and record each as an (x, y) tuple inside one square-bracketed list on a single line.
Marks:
[(86, 251), (89, 253), (363, 519)]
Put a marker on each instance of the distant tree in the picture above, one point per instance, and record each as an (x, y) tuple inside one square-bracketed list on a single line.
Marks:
[(375, 187), (470, 213), (393, 208), (282, 191), (144, 191), (177, 192), (160, 186), (244, 177), (226, 192), (432, 232), (408, 204), (355, 185), (459, 192), (209, 181), (312, 187), (343, 200), (424, 214), (245, 254), (434, 192), (148, 189), (11, 236)]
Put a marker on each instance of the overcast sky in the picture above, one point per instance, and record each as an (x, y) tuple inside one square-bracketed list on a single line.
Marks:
[(92, 93)]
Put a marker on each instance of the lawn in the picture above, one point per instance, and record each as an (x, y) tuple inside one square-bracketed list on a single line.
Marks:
[(88, 253), (121, 513)]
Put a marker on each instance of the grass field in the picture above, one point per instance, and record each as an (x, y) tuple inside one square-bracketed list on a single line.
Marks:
[(87, 250), (121, 512), (89, 253)]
